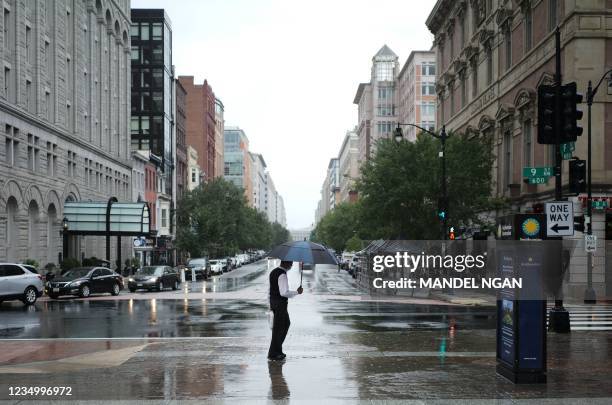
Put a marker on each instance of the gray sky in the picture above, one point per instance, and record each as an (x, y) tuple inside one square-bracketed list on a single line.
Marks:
[(287, 72)]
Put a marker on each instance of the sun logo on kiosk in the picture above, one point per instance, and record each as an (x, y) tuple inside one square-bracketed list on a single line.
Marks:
[(531, 227)]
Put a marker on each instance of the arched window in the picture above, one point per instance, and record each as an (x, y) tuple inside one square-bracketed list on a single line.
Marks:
[(52, 234), (12, 236), (33, 234)]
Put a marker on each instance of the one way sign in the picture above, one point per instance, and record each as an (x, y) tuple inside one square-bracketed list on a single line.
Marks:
[(559, 218)]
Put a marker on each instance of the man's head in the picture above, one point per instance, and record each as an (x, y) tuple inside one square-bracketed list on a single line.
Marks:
[(286, 264)]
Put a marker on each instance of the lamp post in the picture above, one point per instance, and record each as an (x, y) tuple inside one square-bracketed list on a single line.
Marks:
[(399, 136), (64, 232), (589, 293)]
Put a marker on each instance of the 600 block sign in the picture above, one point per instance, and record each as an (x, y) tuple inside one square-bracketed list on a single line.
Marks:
[(40, 391)]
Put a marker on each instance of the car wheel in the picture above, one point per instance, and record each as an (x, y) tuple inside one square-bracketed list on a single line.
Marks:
[(29, 296), (115, 291), (176, 285), (160, 286), (53, 296), (84, 291)]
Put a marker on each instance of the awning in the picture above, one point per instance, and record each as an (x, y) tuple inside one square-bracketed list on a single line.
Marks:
[(107, 218)]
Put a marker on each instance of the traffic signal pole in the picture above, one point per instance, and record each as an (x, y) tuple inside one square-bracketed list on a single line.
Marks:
[(444, 191), (589, 294), (558, 316)]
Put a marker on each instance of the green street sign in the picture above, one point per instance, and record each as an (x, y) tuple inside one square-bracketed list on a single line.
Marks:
[(538, 172), (568, 147), (538, 180), (599, 204)]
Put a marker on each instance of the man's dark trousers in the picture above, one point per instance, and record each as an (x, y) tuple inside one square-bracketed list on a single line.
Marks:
[(280, 327)]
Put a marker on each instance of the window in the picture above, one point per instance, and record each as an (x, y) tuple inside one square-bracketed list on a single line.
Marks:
[(428, 89), (451, 40), (451, 88), (527, 143), (507, 159), (33, 153), (11, 145), (489, 66), (193, 175), (48, 106), (463, 92), (428, 69), (29, 50), (552, 14), (462, 30), (12, 270), (164, 218), (29, 96), (7, 84), (157, 33), (428, 109), (528, 23), (7, 30), (384, 71), (508, 48)]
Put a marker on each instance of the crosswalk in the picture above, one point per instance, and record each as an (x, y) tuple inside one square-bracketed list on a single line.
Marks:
[(590, 317)]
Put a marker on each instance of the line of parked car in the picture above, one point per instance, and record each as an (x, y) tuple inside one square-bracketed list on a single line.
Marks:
[(203, 267), (24, 282), (350, 262)]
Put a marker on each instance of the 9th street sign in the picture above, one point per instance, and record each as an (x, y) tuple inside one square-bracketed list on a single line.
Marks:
[(559, 218)]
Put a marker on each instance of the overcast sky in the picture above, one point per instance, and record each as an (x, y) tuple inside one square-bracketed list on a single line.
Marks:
[(287, 72)]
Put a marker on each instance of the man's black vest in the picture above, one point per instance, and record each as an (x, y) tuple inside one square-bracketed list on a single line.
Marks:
[(275, 297)]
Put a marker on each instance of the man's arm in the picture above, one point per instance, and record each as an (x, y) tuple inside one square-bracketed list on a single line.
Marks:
[(283, 287)]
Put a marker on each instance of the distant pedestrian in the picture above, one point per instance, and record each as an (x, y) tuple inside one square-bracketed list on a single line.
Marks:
[(279, 295)]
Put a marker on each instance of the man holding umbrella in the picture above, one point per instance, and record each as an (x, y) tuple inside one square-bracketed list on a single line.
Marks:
[(279, 297), (289, 252)]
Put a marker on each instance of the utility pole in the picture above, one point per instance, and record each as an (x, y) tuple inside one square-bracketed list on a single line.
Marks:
[(589, 294), (558, 316), (444, 191)]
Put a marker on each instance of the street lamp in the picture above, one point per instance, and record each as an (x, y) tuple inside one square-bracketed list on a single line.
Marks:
[(65, 226), (399, 136), (589, 294)]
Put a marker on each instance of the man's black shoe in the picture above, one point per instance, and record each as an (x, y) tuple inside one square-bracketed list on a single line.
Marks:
[(278, 357)]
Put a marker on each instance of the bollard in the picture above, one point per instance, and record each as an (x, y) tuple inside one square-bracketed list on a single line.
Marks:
[(183, 275)]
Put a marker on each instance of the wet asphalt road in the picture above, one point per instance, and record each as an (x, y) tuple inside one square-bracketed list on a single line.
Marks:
[(210, 342)]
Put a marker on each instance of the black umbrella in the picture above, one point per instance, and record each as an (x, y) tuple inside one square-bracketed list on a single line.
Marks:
[(305, 252)]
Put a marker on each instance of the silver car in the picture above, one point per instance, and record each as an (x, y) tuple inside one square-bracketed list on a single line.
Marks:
[(19, 283)]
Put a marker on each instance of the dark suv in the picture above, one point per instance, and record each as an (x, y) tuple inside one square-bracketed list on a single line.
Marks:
[(84, 281)]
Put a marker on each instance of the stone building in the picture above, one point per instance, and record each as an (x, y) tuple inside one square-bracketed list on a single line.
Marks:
[(64, 117), (492, 56)]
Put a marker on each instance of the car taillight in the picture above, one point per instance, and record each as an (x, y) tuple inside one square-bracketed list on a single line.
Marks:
[(40, 277)]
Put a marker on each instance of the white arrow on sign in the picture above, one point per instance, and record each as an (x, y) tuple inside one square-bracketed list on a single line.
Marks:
[(559, 218)]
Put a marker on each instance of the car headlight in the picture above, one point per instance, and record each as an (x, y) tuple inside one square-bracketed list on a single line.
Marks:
[(154, 279), (131, 279), (75, 283)]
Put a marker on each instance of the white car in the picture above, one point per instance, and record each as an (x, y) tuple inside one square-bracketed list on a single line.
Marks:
[(19, 283), (216, 266)]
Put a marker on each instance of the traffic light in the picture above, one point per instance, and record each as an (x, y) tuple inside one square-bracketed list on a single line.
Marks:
[(577, 176), (442, 209), (570, 114), (579, 223), (546, 114)]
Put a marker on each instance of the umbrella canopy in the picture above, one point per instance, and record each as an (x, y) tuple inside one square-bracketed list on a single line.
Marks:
[(303, 251)]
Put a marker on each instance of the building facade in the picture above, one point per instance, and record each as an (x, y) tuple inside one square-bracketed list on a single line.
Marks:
[(201, 123), (219, 132), (417, 94), (64, 117), (348, 169), (259, 181), (377, 103), (237, 161), (492, 56), (196, 176), (181, 141)]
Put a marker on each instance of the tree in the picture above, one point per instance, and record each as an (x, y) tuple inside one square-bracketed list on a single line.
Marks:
[(400, 186), (354, 244), (338, 225), (215, 220)]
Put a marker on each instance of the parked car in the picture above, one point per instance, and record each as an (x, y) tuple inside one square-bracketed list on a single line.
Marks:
[(307, 266), (154, 277), (17, 282), (84, 281), (216, 266), (199, 266)]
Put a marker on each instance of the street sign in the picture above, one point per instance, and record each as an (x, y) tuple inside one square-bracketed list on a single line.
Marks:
[(568, 147), (537, 180), (590, 243), (545, 171), (559, 218)]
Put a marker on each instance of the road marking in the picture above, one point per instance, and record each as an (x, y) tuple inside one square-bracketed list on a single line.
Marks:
[(120, 338)]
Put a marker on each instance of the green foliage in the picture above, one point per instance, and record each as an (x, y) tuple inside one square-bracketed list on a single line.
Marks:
[(400, 186), (31, 262), (354, 244), (215, 220), (69, 263), (336, 225), (91, 261)]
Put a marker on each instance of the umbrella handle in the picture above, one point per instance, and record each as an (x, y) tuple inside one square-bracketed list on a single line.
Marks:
[(301, 276)]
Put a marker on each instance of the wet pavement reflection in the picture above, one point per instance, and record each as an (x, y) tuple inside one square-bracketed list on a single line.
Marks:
[(341, 346)]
